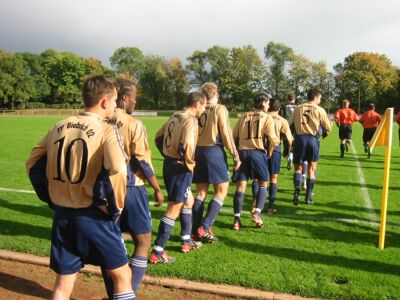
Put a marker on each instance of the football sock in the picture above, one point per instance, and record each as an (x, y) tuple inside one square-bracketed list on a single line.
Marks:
[(125, 296), (213, 210), (186, 224), (238, 198), (138, 265), (109, 284), (342, 149), (305, 168), (296, 180), (254, 188), (273, 188), (310, 187), (260, 200), (164, 232), (197, 213)]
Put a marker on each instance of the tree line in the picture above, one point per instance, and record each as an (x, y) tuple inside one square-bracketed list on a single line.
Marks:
[(54, 78)]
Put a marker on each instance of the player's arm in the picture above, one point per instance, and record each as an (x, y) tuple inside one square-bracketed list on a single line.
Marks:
[(325, 122), (36, 169), (235, 134), (269, 131), (115, 166), (159, 139), (287, 133), (227, 136), (142, 153), (355, 116), (337, 117)]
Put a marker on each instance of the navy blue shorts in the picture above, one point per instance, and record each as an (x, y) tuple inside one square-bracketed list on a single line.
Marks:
[(211, 165), (274, 162), (136, 217), (345, 132), (177, 179), (305, 148), (254, 166), (85, 236)]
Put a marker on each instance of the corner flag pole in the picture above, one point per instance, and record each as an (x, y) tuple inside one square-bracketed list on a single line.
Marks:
[(383, 137)]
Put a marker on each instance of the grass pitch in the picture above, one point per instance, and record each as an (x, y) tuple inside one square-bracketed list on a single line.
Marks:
[(328, 250)]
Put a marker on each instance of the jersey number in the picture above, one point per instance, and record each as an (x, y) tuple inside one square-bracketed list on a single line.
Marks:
[(67, 160), (202, 123), (306, 117), (250, 131), (168, 138)]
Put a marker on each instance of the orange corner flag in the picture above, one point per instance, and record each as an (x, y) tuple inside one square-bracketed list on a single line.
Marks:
[(383, 137)]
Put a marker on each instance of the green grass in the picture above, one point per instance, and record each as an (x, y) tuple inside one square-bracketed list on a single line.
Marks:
[(328, 250)]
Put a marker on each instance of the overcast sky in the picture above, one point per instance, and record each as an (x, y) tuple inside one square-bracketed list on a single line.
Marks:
[(319, 29)]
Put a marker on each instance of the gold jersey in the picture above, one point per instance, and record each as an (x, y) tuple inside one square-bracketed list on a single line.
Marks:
[(180, 135), (254, 130), (308, 117), (281, 127), (78, 149), (136, 146), (215, 129)]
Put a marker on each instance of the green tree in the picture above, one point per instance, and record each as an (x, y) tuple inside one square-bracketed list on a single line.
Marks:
[(196, 67), (178, 82), (278, 56), (128, 60)]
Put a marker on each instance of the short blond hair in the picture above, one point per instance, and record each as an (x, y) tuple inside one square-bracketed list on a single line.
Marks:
[(346, 102), (209, 89)]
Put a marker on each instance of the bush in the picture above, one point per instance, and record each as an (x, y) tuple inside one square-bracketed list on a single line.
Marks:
[(35, 105)]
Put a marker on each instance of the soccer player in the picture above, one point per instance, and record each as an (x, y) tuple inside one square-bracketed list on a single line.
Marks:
[(370, 121), (211, 163), (76, 154), (283, 132), (344, 118), (179, 138), (135, 218), (251, 132), (286, 112), (308, 120), (398, 122)]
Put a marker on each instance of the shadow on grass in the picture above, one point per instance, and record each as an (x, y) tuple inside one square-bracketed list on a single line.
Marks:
[(23, 286), (13, 228), (316, 258), (43, 211)]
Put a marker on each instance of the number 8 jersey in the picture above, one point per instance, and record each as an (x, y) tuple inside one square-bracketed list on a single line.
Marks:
[(78, 149)]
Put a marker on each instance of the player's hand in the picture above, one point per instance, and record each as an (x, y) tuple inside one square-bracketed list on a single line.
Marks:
[(236, 165), (159, 198)]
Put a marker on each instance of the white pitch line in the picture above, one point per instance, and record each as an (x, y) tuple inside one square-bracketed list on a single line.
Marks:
[(16, 191), (363, 187)]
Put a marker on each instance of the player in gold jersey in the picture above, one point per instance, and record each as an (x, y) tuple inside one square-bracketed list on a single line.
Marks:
[(211, 163), (177, 139), (79, 168), (308, 119), (252, 131), (135, 218)]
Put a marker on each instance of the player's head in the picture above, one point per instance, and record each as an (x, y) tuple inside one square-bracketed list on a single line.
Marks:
[(99, 91), (314, 94), (210, 90), (126, 99), (196, 101), (291, 98), (261, 101), (274, 104), (346, 103), (371, 106)]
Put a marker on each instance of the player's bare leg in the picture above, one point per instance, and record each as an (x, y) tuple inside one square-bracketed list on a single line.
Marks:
[(63, 286)]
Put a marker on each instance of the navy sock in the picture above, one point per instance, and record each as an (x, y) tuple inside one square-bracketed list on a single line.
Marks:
[(108, 283), (238, 198), (164, 232), (213, 210), (273, 188), (138, 265), (260, 200), (186, 224), (197, 213), (125, 296), (310, 187), (254, 188), (296, 180)]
